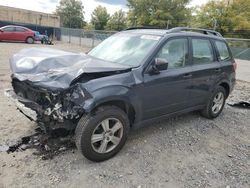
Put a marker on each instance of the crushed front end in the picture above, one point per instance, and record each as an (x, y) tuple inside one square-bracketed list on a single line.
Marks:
[(49, 84), (58, 109)]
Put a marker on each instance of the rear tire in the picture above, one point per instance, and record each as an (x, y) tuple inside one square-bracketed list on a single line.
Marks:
[(30, 40), (215, 103), (109, 139)]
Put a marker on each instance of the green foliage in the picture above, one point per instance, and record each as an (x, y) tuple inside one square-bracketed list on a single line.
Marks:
[(71, 13), (99, 18), (117, 22), (158, 13), (232, 20), (88, 27)]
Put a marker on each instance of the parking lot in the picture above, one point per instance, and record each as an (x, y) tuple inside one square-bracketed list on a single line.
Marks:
[(184, 151)]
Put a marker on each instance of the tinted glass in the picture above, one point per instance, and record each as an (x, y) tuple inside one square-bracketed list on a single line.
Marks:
[(8, 29), (202, 51), (175, 52), (20, 29), (126, 49), (222, 49)]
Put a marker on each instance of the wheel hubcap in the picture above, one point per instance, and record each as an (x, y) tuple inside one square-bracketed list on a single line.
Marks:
[(30, 40), (218, 102), (107, 135)]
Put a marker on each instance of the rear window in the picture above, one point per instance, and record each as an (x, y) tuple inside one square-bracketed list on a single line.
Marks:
[(222, 49), (202, 51), (20, 29)]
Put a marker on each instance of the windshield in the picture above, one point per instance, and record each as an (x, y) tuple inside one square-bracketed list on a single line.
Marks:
[(124, 48)]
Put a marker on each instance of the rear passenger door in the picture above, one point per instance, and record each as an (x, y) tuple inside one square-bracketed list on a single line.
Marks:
[(19, 34), (205, 70)]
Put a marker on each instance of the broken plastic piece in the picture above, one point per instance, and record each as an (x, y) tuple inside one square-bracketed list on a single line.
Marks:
[(241, 104)]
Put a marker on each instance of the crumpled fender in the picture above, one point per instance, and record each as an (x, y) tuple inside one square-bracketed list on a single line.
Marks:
[(113, 93)]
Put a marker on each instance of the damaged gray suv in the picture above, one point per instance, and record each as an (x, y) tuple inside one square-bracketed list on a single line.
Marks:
[(133, 78)]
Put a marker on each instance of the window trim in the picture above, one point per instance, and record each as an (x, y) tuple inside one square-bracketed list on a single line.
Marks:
[(191, 50)]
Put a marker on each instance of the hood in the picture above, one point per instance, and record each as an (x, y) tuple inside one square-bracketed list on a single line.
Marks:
[(56, 68)]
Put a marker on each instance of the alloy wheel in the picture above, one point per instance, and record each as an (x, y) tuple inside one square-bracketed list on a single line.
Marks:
[(107, 135), (218, 102)]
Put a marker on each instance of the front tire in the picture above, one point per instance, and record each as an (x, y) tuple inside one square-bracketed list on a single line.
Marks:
[(101, 135), (30, 40), (215, 103)]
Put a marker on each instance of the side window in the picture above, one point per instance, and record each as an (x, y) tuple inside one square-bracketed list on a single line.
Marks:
[(9, 29), (175, 52), (222, 49), (20, 29), (202, 51)]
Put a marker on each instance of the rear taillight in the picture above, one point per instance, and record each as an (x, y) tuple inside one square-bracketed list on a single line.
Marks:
[(234, 65)]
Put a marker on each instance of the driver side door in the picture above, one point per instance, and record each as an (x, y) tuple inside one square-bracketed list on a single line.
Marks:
[(168, 91)]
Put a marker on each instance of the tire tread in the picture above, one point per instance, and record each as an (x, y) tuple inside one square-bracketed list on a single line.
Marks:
[(206, 112), (83, 131)]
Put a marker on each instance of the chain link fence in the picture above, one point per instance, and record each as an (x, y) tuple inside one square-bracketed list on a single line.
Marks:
[(240, 48), (88, 39)]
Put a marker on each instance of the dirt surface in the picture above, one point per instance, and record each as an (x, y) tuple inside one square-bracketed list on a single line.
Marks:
[(185, 151), (244, 69)]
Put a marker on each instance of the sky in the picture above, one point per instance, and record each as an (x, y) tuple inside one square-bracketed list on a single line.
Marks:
[(49, 6)]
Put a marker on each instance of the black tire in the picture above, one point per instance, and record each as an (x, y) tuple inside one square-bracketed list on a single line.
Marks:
[(30, 40), (88, 124), (207, 111)]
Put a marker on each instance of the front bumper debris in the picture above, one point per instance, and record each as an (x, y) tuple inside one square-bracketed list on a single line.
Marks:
[(64, 114), (28, 112)]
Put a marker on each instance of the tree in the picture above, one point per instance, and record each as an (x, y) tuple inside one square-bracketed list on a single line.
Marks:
[(117, 21), (99, 18), (71, 13), (240, 11), (88, 27), (139, 12), (214, 15), (158, 13), (231, 19)]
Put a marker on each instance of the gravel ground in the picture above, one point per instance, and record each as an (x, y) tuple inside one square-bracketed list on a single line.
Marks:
[(184, 151)]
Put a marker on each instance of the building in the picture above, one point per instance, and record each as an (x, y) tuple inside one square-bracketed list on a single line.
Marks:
[(44, 23), (17, 15)]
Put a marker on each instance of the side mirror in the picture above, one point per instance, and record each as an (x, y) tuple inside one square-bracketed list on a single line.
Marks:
[(158, 65)]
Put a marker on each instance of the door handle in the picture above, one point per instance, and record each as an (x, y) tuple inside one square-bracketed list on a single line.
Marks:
[(187, 75), (217, 69)]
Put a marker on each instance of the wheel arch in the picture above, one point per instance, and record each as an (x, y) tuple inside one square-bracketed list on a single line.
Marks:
[(26, 39), (226, 86), (124, 105)]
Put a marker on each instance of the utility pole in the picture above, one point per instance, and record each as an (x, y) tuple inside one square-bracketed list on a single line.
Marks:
[(135, 21), (167, 24), (215, 23)]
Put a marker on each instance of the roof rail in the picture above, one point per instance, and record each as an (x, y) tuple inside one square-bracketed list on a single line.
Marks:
[(203, 31), (142, 27)]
